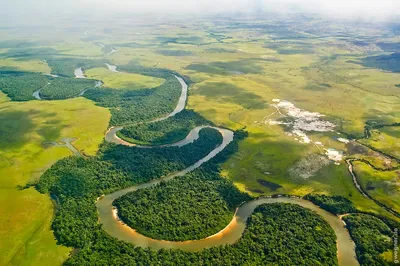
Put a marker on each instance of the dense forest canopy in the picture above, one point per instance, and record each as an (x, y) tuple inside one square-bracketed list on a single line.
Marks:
[(164, 131), (194, 206)]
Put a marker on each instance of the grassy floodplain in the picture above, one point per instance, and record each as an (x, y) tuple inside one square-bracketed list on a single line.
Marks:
[(237, 72), (123, 80), (26, 214), (383, 186)]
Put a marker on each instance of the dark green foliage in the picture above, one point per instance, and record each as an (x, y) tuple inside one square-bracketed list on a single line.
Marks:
[(166, 131), (146, 164), (20, 86), (306, 239), (371, 236), (25, 53), (194, 206), (276, 234), (18, 44), (117, 165), (289, 48), (65, 66), (390, 62), (129, 106), (245, 66), (219, 50), (174, 52), (332, 204), (64, 88), (180, 40)]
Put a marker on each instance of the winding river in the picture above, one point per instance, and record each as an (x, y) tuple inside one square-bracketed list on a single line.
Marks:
[(111, 135), (108, 215)]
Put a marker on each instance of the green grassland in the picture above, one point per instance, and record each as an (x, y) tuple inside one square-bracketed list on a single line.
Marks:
[(26, 216), (26, 65), (123, 80), (236, 71), (383, 186), (385, 139), (237, 74)]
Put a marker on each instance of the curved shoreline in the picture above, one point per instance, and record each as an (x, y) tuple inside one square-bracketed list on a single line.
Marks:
[(37, 96), (111, 134), (79, 73), (108, 214), (232, 232)]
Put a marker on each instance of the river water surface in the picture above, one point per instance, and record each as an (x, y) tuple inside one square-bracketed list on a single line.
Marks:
[(108, 215)]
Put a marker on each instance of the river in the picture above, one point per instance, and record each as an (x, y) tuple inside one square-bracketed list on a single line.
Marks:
[(108, 215)]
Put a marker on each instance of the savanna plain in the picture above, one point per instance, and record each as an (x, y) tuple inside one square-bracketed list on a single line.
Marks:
[(200, 142)]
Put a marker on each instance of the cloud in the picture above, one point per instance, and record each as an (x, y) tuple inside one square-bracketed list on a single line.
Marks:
[(336, 8)]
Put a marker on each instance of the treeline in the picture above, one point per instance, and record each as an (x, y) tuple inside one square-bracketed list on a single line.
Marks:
[(65, 66), (20, 86), (64, 88), (332, 204), (118, 166), (372, 238), (170, 130), (372, 233), (131, 106), (276, 234), (194, 206), (77, 182)]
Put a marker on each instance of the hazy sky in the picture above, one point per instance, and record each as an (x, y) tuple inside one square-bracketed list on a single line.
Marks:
[(343, 8)]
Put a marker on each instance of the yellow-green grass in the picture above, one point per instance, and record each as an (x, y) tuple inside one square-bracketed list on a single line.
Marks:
[(386, 139), (268, 148), (79, 48), (26, 238), (123, 80), (28, 65), (383, 186)]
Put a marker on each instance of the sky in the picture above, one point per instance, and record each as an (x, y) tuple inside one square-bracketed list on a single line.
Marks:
[(350, 9)]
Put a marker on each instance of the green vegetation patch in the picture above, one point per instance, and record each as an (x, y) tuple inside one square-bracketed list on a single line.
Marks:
[(291, 48), (117, 166), (381, 185), (179, 40), (245, 66), (14, 130), (307, 239), (317, 87), (20, 86), (130, 106), (219, 50), (390, 62), (25, 53), (372, 238), (174, 52), (163, 132), (332, 204), (226, 92), (65, 66), (194, 206), (63, 88)]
